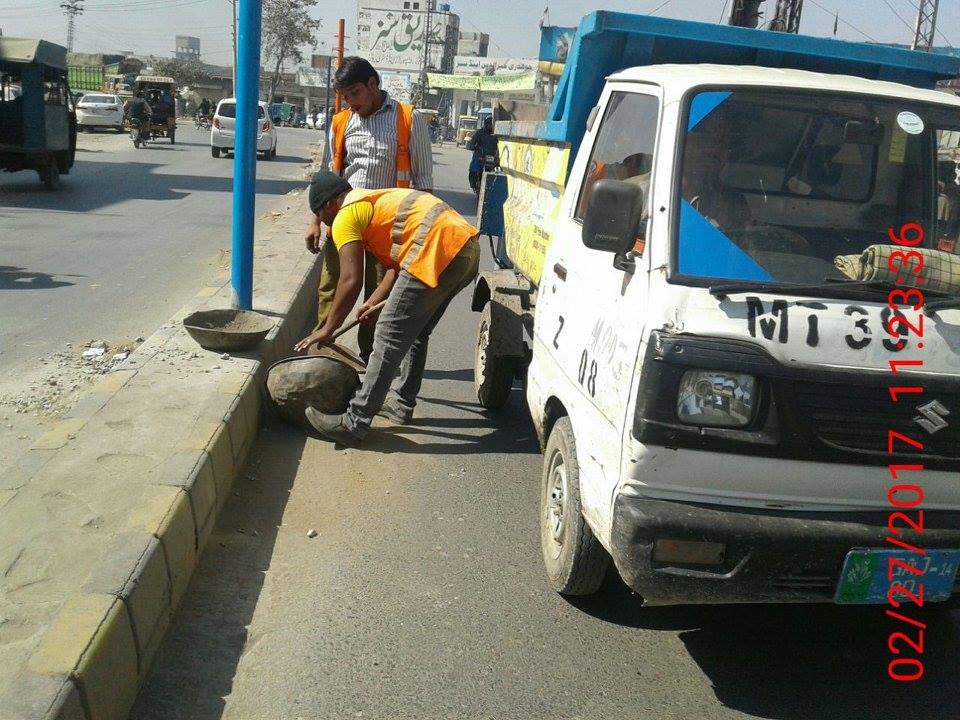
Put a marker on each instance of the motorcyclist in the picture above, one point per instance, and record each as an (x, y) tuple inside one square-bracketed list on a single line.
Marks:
[(138, 111), (483, 145)]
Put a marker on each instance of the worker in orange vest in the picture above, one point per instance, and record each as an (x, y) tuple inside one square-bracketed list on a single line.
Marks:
[(375, 143), (431, 253)]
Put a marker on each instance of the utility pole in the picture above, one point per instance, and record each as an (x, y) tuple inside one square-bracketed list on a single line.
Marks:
[(421, 99), (745, 13), (926, 25), (786, 18), (71, 9), (245, 153)]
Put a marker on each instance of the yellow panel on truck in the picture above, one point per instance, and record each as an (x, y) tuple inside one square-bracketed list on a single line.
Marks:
[(536, 172)]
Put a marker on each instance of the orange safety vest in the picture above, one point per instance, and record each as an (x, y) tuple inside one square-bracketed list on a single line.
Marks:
[(413, 231), (404, 130)]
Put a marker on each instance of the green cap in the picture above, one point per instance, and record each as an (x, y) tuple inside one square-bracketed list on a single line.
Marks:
[(324, 187)]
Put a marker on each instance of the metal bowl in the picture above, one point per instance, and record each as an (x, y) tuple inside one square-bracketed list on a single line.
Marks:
[(325, 381), (228, 330)]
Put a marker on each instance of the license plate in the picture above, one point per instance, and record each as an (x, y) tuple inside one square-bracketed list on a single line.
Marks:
[(864, 578)]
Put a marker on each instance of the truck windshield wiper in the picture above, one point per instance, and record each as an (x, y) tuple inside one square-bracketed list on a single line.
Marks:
[(831, 287)]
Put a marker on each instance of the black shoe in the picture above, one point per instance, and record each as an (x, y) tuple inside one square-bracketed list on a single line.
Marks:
[(396, 413), (332, 428)]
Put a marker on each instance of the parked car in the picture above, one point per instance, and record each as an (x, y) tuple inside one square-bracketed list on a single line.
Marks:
[(224, 122), (99, 111)]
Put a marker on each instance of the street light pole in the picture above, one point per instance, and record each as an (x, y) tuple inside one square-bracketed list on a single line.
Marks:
[(245, 154)]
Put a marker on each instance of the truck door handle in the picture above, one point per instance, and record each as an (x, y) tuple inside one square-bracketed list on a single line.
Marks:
[(560, 271)]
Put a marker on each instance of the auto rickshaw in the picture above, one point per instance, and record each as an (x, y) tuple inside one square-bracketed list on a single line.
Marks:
[(159, 91), (38, 120), (466, 127)]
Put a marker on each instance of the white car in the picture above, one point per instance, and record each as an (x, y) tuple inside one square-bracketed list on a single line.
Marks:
[(224, 123), (96, 110)]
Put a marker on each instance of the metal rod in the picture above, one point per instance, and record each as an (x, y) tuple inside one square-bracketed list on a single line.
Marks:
[(351, 325), (340, 35), (245, 152)]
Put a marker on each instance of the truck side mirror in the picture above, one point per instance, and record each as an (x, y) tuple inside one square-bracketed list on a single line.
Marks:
[(613, 216)]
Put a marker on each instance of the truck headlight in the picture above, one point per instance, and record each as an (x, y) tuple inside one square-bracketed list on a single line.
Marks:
[(714, 398)]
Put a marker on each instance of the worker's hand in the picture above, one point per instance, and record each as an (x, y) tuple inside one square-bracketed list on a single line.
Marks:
[(314, 236), (318, 337), (368, 312)]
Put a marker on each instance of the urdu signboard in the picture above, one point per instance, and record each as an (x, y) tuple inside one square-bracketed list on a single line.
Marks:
[(469, 65), (394, 39)]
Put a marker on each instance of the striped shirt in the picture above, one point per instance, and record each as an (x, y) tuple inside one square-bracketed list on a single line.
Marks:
[(371, 161)]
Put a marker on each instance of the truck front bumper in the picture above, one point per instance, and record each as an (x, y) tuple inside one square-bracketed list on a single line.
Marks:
[(769, 556)]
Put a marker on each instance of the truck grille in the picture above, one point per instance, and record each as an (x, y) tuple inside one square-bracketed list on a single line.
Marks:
[(807, 582), (858, 418)]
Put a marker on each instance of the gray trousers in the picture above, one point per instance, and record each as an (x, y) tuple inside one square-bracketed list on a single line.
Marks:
[(402, 334)]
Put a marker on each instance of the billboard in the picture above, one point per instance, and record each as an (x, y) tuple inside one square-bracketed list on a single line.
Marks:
[(394, 39), (469, 65), (484, 83), (398, 85), (555, 43)]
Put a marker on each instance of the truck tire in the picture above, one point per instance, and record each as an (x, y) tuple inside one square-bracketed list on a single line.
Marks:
[(575, 560), (173, 138), (50, 175), (215, 151), (492, 374)]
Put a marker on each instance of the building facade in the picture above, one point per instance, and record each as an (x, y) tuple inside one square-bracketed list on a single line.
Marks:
[(187, 48), (391, 35), (473, 44)]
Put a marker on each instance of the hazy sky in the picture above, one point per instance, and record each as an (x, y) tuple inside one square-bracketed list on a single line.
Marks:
[(149, 26)]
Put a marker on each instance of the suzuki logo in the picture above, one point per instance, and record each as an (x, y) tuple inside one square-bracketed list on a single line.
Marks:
[(931, 417)]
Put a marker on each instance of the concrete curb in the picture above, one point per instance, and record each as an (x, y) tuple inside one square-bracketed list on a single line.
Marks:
[(91, 660)]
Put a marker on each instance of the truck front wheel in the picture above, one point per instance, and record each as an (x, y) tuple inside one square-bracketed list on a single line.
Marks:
[(492, 374), (576, 562)]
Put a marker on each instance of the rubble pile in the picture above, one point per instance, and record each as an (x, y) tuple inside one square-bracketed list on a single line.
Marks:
[(60, 375)]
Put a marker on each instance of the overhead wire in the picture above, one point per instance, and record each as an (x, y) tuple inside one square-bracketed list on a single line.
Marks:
[(840, 19)]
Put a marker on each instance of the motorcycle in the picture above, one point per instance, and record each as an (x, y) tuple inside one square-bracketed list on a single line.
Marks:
[(201, 121), (478, 166), (138, 134)]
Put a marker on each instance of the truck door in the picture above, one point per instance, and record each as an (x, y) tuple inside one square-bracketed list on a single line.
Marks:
[(592, 314)]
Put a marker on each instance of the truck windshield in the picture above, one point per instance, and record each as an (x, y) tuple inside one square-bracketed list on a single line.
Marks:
[(799, 186)]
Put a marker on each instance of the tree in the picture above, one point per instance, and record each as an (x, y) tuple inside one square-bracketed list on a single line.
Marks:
[(185, 72), (287, 28)]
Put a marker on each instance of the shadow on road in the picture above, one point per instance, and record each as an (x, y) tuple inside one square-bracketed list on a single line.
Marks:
[(17, 278), (798, 662), (210, 631), (102, 184)]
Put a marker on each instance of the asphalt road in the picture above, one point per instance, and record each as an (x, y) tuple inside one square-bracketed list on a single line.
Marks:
[(129, 238), (424, 595)]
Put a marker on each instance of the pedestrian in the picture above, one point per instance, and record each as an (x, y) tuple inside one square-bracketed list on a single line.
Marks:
[(431, 253), (375, 143)]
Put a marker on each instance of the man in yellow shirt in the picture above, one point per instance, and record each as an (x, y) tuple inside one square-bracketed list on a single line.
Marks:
[(431, 253)]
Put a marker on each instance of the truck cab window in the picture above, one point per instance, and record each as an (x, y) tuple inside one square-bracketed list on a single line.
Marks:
[(794, 186), (624, 147)]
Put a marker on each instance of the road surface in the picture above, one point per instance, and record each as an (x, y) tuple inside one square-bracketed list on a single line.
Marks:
[(424, 596), (129, 238)]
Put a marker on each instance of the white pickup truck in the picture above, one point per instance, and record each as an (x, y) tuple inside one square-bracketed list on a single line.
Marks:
[(711, 302)]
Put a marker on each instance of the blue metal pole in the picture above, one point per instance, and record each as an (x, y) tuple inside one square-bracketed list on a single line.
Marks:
[(245, 152)]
